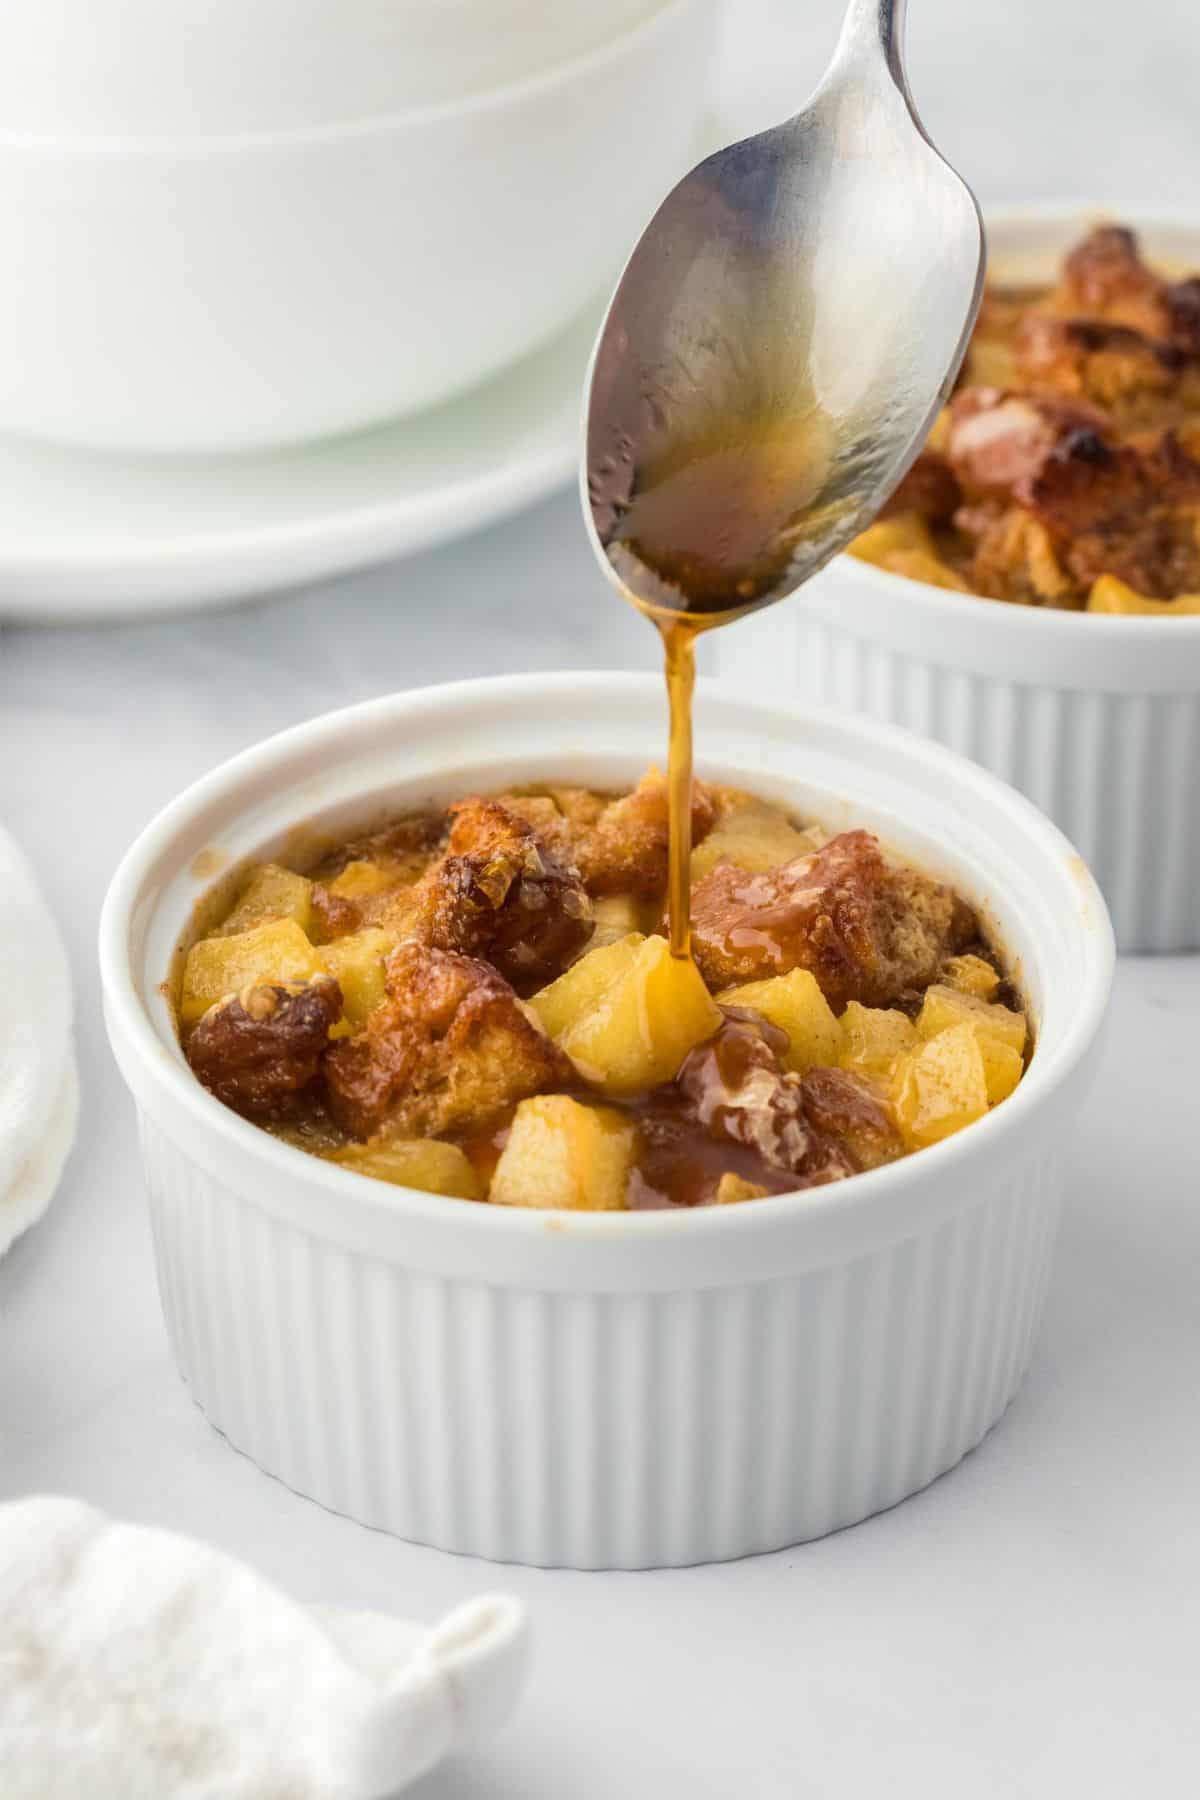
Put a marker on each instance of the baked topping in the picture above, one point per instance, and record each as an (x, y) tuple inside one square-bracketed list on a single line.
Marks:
[(497, 891), (478, 1005), (618, 846), (866, 929), (260, 1050), (448, 1049), (1066, 470)]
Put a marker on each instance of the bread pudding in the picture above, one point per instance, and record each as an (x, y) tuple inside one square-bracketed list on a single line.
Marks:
[(483, 1003), (1065, 471)]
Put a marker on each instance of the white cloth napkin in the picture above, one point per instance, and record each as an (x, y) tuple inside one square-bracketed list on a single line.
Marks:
[(138, 1665), (39, 1091)]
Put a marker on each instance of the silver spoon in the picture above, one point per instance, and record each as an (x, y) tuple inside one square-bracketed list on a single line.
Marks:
[(780, 343)]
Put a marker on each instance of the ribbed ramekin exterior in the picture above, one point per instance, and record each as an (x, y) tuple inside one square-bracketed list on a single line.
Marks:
[(1116, 771), (601, 1430)]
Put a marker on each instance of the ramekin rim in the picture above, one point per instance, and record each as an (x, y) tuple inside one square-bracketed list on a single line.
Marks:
[(1050, 620), (370, 1197), (517, 92), (946, 602)]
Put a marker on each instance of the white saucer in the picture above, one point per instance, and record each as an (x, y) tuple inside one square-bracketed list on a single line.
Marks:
[(85, 536)]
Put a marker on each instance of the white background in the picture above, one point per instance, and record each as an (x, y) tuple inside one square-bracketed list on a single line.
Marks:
[(1028, 1626)]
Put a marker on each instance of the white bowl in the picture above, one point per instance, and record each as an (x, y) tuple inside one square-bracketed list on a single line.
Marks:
[(1096, 718), (235, 292), (606, 1390), (172, 68)]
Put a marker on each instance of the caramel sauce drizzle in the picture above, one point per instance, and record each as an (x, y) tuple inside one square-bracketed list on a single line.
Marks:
[(703, 530), (679, 647)]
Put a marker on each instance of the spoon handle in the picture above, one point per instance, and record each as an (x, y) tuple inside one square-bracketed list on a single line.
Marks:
[(873, 29)]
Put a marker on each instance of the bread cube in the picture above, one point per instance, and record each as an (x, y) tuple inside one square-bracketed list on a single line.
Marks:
[(423, 1163), (561, 1153), (754, 836), (276, 952), (854, 1111), (581, 989), (874, 1038), (868, 928), (733, 1188), (639, 1029), (272, 892), (944, 1007), (794, 1003), (356, 964), (939, 1087), (450, 1049), (971, 975)]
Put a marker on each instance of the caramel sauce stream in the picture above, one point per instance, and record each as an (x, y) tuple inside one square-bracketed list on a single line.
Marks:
[(702, 532), (679, 646)]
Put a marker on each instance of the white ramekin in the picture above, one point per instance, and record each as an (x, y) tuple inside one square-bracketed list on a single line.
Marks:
[(233, 292), (1097, 719), (619, 1390)]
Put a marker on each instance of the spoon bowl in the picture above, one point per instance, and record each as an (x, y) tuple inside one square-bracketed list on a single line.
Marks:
[(780, 342)]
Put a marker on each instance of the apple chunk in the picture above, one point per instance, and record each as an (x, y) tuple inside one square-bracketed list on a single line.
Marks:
[(272, 892), (1001, 1033), (569, 999), (277, 953), (874, 1038), (356, 964), (794, 1003), (423, 1163), (644, 1011), (940, 1087), (562, 1153)]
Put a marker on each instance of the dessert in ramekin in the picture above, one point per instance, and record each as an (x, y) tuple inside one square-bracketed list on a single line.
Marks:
[(1028, 599), (480, 1001), (614, 1387)]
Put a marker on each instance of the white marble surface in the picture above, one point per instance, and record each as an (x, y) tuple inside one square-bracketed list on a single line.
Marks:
[(1029, 1626)]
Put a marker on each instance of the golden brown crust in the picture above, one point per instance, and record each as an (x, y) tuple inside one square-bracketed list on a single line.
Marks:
[(865, 929), (1072, 440), (1105, 278), (562, 816), (846, 1107), (930, 488), (405, 846), (998, 442), (260, 1051), (1134, 380), (626, 851), (333, 915), (1126, 508), (448, 1049), (497, 892), (618, 846), (1014, 556)]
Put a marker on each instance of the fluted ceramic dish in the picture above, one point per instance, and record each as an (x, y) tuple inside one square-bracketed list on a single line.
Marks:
[(622, 1389), (1096, 718)]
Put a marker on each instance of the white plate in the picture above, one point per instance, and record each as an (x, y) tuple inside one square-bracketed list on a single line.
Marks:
[(86, 536)]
